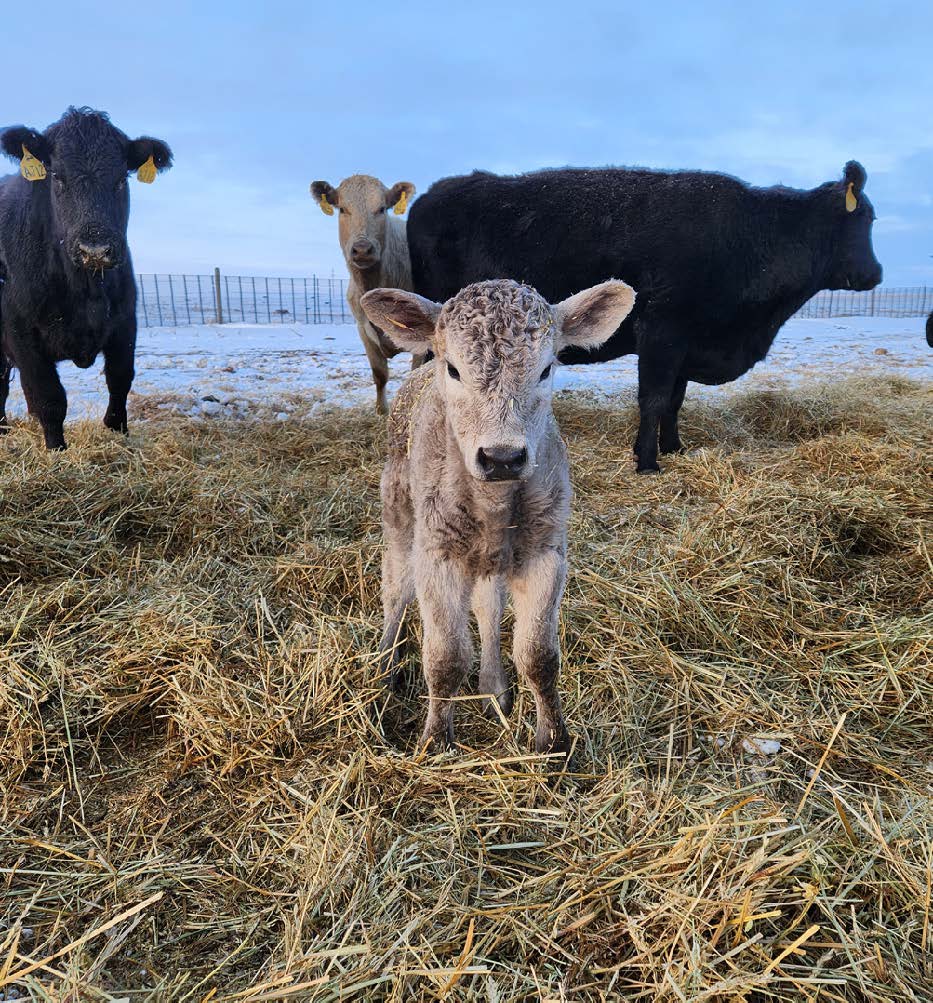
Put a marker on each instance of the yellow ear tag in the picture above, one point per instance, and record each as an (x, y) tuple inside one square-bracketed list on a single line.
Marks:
[(31, 168), (326, 207), (147, 172), (401, 205), (851, 200)]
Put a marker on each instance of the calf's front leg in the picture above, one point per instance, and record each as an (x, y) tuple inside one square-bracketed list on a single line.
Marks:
[(444, 601), (536, 595), (488, 602)]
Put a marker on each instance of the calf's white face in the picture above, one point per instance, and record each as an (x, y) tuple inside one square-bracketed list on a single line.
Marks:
[(362, 203), (495, 346)]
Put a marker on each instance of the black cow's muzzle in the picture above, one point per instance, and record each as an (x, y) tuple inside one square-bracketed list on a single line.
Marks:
[(97, 257)]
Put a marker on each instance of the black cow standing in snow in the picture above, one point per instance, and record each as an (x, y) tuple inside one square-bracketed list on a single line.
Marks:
[(66, 279), (718, 265)]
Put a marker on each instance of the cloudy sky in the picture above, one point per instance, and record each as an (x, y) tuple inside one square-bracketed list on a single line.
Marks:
[(257, 100)]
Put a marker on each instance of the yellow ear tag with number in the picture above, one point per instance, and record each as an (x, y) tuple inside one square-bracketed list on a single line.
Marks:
[(31, 168), (147, 173), (851, 200), (401, 205), (326, 207)]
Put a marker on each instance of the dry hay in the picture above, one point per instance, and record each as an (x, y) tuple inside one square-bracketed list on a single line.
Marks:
[(198, 801)]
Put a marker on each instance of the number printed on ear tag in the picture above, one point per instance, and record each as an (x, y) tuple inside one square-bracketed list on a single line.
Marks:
[(147, 173), (31, 168)]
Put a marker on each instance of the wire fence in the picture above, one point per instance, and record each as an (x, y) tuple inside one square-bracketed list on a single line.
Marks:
[(912, 301), (184, 300)]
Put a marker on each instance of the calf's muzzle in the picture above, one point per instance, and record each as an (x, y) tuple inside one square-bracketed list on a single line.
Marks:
[(502, 463)]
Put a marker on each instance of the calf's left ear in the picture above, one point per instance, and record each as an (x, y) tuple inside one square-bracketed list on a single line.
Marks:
[(138, 152), (398, 195), (408, 320), (592, 316)]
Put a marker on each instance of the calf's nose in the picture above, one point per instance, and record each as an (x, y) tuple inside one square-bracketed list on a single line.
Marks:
[(501, 463), (362, 248)]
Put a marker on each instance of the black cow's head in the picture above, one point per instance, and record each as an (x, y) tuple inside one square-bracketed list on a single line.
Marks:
[(853, 265), (86, 162)]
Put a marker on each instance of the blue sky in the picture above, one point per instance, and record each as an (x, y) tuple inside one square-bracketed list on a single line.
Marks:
[(258, 100)]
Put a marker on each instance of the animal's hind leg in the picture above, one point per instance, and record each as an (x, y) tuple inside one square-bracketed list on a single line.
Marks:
[(5, 369), (659, 362), (670, 433), (488, 603), (398, 591)]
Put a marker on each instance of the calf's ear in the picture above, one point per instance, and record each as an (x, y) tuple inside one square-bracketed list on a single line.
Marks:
[(138, 152), (16, 137), (325, 195), (590, 317), (406, 319), (398, 195)]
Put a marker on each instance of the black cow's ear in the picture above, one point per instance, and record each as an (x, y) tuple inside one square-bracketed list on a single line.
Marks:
[(408, 320), (16, 137), (855, 175), (326, 196), (138, 151)]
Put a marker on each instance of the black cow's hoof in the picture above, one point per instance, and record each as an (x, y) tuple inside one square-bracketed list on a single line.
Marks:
[(116, 424), (4, 427), (649, 470)]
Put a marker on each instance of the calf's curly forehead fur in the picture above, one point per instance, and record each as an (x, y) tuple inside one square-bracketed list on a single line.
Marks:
[(491, 322)]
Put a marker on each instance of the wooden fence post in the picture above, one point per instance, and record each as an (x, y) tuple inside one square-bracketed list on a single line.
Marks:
[(218, 303)]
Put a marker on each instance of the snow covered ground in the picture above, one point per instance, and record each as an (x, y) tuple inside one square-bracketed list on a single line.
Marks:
[(237, 370)]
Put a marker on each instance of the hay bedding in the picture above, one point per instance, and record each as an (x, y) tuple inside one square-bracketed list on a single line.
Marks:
[(204, 797)]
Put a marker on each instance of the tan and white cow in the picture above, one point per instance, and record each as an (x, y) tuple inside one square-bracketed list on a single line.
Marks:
[(476, 488), (376, 251)]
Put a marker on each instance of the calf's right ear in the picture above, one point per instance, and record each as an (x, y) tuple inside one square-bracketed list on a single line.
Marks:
[(326, 196), (407, 320), (590, 317), (16, 137)]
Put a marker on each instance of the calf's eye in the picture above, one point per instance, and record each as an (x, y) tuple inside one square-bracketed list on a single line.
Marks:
[(545, 374), (453, 372)]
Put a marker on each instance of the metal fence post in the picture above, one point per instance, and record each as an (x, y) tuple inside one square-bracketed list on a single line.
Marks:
[(219, 305)]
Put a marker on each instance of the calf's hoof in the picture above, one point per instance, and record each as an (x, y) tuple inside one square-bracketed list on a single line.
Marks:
[(499, 705), (646, 469), (433, 743), (4, 426), (553, 740), (672, 447)]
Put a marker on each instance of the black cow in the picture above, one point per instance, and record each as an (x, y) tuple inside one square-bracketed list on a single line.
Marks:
[(930, 330), (66, 279), (718, 265)]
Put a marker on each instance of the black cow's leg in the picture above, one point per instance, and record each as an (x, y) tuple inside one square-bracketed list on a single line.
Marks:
[(670, 433), (5, 368), (44, 394), (659, 364), (119, 354)]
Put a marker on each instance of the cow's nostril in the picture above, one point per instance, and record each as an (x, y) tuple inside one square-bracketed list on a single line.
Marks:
[(96, 252), (501, 460)]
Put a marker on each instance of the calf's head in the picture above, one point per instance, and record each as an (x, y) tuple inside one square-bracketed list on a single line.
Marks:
[(853, 265), (495, 346), (86, 161), (362, 203)]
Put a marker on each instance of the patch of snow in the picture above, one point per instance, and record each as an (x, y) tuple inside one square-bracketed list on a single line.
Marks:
[(761, 746), (211, 370)]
